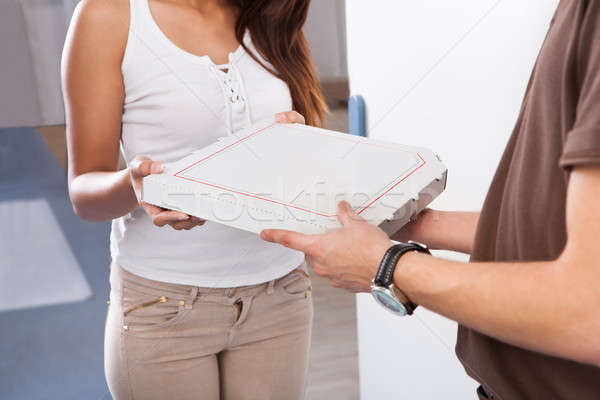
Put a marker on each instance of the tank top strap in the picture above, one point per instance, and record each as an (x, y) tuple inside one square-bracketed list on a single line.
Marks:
[(134, 12), (143, 40), (141, 21)]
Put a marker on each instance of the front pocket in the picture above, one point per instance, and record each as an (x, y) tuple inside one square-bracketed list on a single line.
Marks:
[(144, 313), (161, 299), (297, 284)]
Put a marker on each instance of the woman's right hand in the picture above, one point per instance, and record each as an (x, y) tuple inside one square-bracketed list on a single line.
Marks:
[(141, 167)]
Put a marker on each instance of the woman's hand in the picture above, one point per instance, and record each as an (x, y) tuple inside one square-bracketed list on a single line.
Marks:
[(290, 117), (138, 169)]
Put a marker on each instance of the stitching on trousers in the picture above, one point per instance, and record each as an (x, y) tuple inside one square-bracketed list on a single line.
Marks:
[(124, 354)]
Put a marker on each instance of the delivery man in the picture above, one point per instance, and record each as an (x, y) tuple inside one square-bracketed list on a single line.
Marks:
[(528, 303)]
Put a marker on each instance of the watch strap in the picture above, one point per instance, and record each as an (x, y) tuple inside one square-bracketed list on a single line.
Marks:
[(409, 306), (387, 266)]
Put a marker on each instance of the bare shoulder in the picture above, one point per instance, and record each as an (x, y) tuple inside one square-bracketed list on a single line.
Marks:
[(100, 25), (112, 13), (93, 52)]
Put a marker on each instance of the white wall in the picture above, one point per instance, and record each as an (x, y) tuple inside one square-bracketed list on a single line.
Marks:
[(449, 75), (19, 104), (325, 31), (32, 34)]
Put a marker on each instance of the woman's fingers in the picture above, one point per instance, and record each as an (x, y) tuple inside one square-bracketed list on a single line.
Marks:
[(143, 166), (140, 166), (290, 117), (178, 220), (167, 217), (187, 225), (151, 209)]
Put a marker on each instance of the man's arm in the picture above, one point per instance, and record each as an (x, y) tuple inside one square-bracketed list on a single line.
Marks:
[(551, 307), (442, 230)]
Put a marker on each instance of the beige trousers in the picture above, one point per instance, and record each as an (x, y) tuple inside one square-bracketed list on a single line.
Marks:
[(178, 342)]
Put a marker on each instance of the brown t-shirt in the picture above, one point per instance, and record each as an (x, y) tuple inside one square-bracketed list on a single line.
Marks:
[(523, 218)]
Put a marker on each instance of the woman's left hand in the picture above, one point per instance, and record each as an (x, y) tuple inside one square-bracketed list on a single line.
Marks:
[(290, 117)]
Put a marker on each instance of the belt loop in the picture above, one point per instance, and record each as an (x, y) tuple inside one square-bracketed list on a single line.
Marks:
[(270, 287), (191, 298), (230, 292)]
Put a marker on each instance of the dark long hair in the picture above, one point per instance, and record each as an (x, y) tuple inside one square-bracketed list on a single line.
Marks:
[(276, 30)]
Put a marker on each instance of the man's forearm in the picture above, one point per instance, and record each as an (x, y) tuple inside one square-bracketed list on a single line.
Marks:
[(442, 230), (550, 307)]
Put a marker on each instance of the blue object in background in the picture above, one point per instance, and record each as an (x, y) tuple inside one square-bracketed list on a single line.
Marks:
[(357, 124)]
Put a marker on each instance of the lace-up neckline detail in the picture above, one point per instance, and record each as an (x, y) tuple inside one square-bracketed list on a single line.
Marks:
[(231, 86)]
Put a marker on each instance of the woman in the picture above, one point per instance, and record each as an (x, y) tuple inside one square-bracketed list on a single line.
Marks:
[(197, 310)]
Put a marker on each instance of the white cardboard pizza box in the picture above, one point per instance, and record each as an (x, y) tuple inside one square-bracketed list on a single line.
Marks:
[(292, 176)]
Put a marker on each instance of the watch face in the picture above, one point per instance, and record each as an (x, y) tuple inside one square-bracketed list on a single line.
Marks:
[(388, 301)]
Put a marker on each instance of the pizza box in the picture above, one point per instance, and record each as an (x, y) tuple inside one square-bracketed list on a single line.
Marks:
[(292, 176)]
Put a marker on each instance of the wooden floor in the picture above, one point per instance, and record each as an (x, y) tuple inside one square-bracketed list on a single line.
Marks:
[(333, 373), (54, 136)]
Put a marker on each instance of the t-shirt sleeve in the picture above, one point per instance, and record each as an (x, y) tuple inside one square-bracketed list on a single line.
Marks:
[(582, 144)]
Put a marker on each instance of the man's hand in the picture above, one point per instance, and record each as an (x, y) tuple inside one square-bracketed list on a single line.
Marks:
[(348, 257)]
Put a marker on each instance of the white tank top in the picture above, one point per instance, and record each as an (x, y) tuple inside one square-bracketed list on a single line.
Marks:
[(176, 102)]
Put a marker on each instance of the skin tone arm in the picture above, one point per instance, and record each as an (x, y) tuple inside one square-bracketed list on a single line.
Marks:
[(93, 92), (551, 307), (94, 95), (442, 230)]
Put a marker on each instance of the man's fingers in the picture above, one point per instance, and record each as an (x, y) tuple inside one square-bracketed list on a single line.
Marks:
[(313, 263), (293, 240), (346, 214), (334, 283), (321, 271), (290, 117)]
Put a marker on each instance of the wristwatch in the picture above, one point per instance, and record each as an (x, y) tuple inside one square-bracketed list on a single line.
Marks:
[(382, 287)]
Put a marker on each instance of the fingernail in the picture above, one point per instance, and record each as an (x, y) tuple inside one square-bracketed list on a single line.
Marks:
[(183, 217), (280, 117), (156, 168)]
